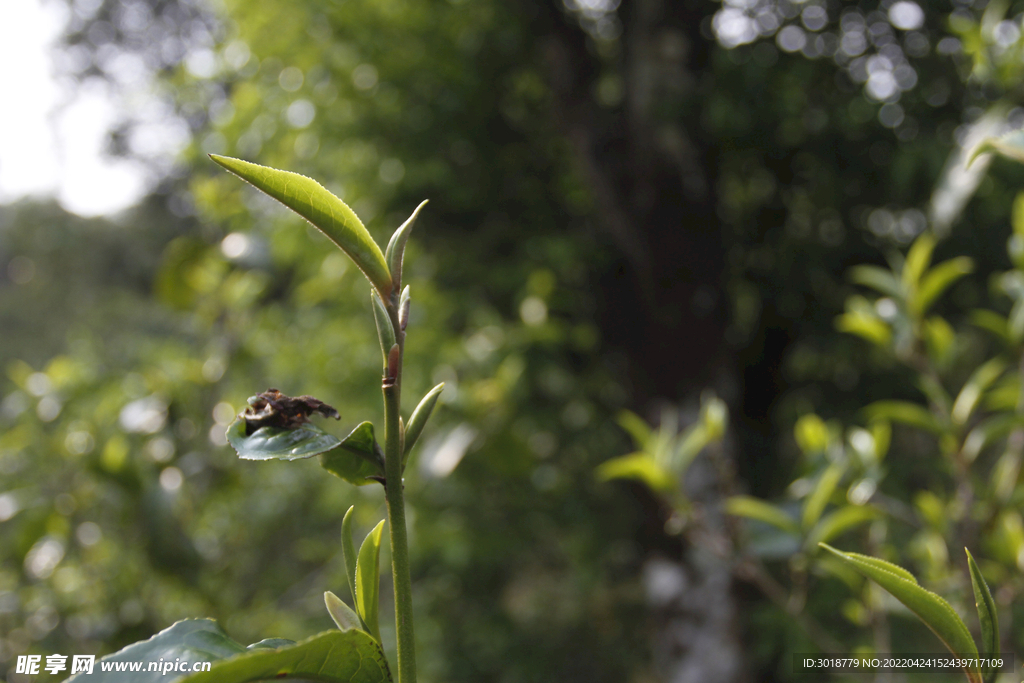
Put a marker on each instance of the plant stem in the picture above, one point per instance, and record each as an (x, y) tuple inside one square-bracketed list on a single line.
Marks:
[(396, 522)]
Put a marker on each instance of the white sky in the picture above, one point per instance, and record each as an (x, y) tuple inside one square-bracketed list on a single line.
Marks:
[(51, 138)]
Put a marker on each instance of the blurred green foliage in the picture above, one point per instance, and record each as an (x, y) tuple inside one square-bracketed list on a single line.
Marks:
[(129, 344)]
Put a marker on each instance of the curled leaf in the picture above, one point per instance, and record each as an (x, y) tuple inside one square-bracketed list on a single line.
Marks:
[(359, 459), (276, 443)]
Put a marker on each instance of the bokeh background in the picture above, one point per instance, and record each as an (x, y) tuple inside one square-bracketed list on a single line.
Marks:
[(629, 204)]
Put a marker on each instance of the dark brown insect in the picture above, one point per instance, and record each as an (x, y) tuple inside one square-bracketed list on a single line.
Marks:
[(274, 409)]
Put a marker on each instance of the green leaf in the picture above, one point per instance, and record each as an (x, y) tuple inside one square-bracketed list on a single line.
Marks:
[(918, 258), (993, 322), (403, 307), (816, 502), (640, 466), (980, 380), (637, 428), (418, 420), (869, 327), (878, 279), (357, 459), (987, 616), (327, 213), (270, 644), (688, 445), (277, 443), (348, 551), (988, 431), (342, 614), (759, 510), (395, 253), (936, 613), (939, 279), (811, 434), (332, 657), (191, 640), (368, 580), (906, 413), (839, 522), (385, 330)]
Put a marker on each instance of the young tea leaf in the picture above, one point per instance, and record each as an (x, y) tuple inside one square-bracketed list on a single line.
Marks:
[(395, 253), (987, 616), (277, 443), (342, 614), (358, 458), (348, 550), (936, 613), (368, 580), (385, 330), (327, 213), (418, 419)]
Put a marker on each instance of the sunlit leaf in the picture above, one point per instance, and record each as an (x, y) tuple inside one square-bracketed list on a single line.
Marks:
[(933, 610), (988, 618), (636, 426), (811, 434), (869, 327), (640, 466), (757, 509), (330, 215), (277, 443), (368, 580), (358, 458)]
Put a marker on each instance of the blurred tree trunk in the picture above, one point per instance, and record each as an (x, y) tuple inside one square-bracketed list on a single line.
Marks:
[(663, 306)]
